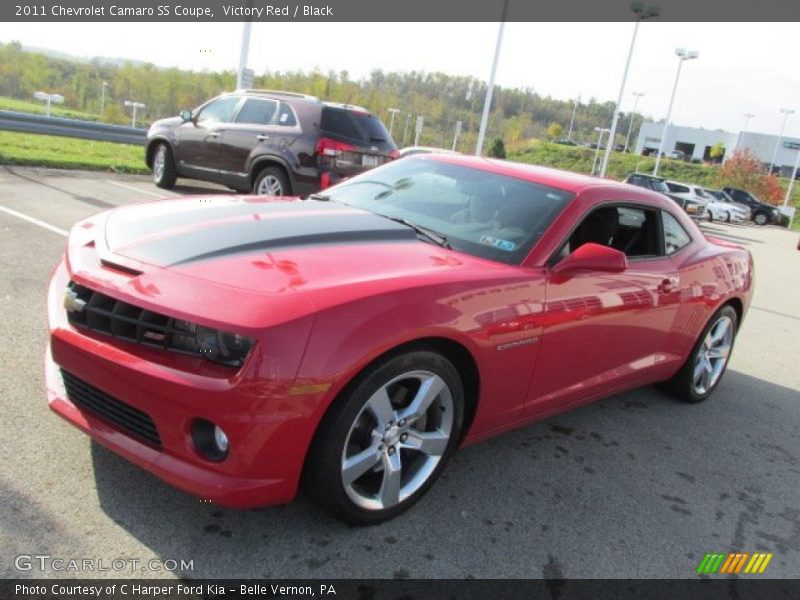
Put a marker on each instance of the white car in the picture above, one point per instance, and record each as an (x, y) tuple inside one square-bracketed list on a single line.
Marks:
[(715, 209), (740, 208)]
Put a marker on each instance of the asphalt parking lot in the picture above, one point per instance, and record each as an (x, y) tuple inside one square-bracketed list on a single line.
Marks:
[(636, 485)]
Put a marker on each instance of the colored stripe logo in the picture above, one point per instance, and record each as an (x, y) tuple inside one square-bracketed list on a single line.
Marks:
[(734, 563)]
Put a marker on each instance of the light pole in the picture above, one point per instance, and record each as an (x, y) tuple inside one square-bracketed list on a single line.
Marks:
[(641, 14), (572, 120), (747, 117), (135, 106), (636, 96), (49, 98), (458, 132), (103, 98), (394, 112), (683, 55), (487, 102), (791, 181), (405, 129), (244, 51), (600, 131), (786, 112)]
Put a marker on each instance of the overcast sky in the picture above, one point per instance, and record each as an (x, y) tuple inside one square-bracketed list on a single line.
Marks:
[(743, 67)]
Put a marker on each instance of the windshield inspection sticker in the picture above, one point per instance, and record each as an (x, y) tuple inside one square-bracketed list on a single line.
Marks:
[(505, 245)]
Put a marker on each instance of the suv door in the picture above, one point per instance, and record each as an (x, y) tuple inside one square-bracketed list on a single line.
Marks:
[(607, 331), (262, 126), (198, 147)]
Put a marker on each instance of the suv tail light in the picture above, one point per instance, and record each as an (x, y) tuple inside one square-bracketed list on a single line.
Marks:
[(331, 147)]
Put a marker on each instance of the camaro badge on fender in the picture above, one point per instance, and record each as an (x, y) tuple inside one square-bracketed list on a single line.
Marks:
[(72, 303)]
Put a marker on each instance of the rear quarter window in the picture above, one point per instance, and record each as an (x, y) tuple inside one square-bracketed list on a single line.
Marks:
[(342, 122)]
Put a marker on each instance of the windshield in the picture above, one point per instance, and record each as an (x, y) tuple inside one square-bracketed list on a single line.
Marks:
[(660, 186), (478, 212)]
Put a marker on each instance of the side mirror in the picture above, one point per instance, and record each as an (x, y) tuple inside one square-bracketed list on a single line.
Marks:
[(186, 115), (592, 257)]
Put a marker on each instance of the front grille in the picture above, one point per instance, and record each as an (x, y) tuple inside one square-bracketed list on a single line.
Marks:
[(109, 316), (126, 418)]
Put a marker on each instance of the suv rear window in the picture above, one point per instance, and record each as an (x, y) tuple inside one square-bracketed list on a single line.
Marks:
[(356, 125)]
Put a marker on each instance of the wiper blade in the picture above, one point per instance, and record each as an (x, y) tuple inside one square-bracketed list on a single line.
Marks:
[(431, 234), (320, 197)]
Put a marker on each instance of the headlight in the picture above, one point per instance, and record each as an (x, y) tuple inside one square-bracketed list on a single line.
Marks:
[(217, 346)]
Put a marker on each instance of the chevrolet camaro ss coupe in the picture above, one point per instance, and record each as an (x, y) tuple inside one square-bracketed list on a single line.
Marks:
[(240, 346)]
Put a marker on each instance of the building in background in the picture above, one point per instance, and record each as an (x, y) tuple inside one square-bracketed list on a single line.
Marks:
[(696, 144)]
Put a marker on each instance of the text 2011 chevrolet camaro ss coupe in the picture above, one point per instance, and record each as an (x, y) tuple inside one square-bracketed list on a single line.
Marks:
[(238, 346)]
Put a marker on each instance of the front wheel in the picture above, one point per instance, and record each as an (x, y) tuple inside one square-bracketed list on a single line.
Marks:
[(760, 218), (164, 172), (387, 439), (703, 370)]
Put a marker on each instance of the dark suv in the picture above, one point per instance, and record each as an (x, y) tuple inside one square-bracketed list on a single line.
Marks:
[(762, 213), (267, 142)]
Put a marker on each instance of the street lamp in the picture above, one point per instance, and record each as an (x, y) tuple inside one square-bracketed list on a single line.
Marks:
[(572, 120), (791, 181), (636, 95), (747, 117), (641, 14), (103, 98), (786, 112), (600, 131), (135, 105), (394, 112), (683, 55), (49, 98), (487, 102)]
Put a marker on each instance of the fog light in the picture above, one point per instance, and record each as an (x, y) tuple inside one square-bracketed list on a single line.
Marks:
[(210, 440), (220, 439)]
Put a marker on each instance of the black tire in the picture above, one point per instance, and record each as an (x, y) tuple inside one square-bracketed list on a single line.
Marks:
[(682, 385), (164, 176), (761, 218), (273, 178), (323, 479), (727, 217)]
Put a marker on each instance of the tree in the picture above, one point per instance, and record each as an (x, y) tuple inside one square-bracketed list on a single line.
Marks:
[(498, 149), (743, 170), (717, 152), (554, 131)]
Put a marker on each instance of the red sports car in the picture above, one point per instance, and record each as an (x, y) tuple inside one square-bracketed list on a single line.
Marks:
[(237, 346)]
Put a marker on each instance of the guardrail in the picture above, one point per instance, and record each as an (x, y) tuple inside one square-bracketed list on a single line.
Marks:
[(87, 130)]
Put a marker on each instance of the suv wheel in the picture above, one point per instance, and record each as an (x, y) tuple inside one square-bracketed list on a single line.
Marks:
[(760, 218), (271, 181), (164, 173)]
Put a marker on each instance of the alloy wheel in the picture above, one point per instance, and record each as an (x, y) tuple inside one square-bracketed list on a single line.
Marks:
[(397, 440), (712, 356), (270, 186), (159, 163)]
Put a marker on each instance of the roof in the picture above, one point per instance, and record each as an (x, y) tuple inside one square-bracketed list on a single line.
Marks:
[(557, 178)]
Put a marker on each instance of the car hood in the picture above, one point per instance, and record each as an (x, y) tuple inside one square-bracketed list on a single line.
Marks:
[(274, 246)]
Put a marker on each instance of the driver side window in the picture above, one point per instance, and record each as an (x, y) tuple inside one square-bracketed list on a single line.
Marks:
[(632, 230), (219, 111)]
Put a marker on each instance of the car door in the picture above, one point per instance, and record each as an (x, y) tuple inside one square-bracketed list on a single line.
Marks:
[(606, 331), (198, 147), (255, 130)]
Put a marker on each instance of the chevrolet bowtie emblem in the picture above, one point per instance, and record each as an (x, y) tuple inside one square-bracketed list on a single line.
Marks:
[(72, 303)]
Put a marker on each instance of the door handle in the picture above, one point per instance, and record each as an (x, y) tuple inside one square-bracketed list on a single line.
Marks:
[(262, 137)]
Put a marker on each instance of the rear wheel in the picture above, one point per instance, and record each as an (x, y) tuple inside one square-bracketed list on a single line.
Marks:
[(386, 441), (164, 172), (703, 370), (271, 181)]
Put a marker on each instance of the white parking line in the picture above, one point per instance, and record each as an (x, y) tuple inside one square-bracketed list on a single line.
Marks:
[(41, 224), (135, 189)]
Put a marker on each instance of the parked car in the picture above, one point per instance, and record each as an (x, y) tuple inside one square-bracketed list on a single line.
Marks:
[(411, 150), (268, 142), (692, 204), (354, 340), (721, 196), (659, 184), (679, 155), (566, 142), (762, 213)]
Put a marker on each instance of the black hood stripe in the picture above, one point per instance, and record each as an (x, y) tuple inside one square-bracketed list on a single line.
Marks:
[(179, 235)]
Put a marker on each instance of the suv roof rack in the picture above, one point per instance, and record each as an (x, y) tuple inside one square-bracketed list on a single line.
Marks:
[(280, 93)]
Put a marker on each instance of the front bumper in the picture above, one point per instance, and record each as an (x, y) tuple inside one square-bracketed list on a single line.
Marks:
[(268, 423)]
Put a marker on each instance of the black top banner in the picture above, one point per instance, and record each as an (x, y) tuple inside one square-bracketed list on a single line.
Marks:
[(395, 10)]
